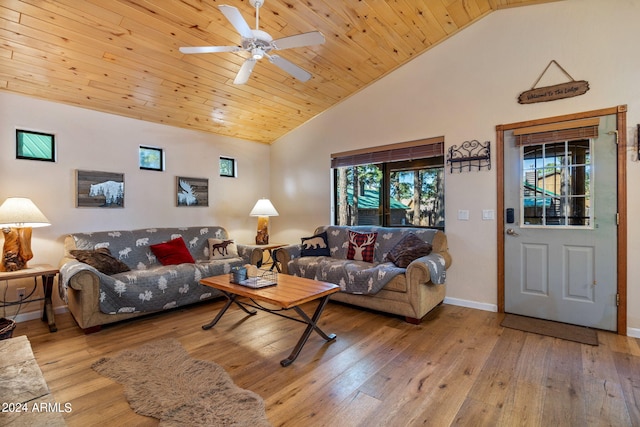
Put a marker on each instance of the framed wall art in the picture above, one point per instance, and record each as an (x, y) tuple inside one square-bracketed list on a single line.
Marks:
[(99, 189), (192, 191), (151, 158), (35, 146)]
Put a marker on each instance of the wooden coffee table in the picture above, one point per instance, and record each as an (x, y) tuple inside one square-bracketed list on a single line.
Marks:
[(289, 293)]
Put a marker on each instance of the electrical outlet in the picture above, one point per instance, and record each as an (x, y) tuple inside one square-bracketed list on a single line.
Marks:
[(21, 292)]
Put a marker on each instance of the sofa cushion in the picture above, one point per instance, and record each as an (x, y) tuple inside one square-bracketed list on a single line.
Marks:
[(172, 252), (222, 249), (408, 249), (315, 245), (361, 246), (100, 259)]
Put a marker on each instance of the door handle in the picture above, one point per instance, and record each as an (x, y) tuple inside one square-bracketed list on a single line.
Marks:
[(511, 232)]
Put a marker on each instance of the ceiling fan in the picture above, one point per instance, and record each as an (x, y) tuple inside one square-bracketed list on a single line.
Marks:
[(259, 44)]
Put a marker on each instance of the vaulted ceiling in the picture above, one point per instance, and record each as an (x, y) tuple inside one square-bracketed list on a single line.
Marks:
[(122, 57)]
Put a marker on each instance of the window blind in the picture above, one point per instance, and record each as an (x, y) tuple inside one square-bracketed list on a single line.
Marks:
[(557, 132), (420, 149)]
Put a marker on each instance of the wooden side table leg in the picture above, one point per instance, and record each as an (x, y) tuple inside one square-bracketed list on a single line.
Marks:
[(47, 311)]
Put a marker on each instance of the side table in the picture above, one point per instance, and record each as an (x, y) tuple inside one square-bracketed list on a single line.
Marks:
[(47, 273), (270, 248)]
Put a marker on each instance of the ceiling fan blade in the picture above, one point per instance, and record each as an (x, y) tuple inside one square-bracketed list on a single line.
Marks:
[(234, 16), (209, 49), (290, 68), (299, 40), (245, 71)]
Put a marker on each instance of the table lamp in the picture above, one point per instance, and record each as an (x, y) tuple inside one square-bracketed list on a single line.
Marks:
[(17, 216), (263, 210)]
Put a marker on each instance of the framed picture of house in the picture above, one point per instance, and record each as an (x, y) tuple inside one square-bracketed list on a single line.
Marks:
[(35, 146), (151, 158), (99, 189), (192, 192)]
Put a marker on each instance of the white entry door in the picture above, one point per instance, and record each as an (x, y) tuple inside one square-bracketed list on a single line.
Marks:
[(561, 225)]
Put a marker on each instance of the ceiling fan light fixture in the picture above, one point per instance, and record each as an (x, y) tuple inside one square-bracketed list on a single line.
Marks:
[(257, 53)]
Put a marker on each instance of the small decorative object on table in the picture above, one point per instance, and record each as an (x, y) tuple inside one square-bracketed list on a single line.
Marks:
[(238, 274), (252, 277)]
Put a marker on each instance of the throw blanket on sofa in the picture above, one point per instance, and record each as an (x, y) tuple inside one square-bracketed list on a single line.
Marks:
[(358, 277), (150, 286), (147, 290), (361, 277)]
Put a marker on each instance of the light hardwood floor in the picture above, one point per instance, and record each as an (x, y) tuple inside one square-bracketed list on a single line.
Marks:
[(459, 367)]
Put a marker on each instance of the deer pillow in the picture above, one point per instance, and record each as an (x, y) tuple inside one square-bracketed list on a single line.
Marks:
[(222, 249), (361, 246)]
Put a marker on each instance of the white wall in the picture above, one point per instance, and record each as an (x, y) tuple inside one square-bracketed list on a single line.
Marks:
[(89, 140), (462, 89)]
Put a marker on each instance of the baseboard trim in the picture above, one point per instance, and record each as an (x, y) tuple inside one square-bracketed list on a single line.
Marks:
[(471, 304), (633, 332), (23, 317)]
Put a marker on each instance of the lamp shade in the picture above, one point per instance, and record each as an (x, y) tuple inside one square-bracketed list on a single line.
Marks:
[(21, 212), (263, 207)]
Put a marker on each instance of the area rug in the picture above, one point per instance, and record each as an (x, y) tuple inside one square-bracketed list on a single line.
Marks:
[(564, 331), (162, 381)]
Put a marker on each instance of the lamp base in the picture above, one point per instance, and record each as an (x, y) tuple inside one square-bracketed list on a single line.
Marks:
[(16, 250), (262, 238)]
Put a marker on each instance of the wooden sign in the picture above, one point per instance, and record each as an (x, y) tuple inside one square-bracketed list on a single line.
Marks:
[(551, 93)]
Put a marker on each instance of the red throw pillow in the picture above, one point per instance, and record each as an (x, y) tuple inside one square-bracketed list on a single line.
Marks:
[(172, 252), (361, 246)]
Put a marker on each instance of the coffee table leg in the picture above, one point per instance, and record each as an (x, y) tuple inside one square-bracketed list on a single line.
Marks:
[(231, 298), (312, 324)]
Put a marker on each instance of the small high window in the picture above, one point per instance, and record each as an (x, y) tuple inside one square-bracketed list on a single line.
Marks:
[(35, 146), (227, 167)]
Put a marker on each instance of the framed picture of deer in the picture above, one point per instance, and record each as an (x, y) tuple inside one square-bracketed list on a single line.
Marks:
[(192, 192), (99, 189)]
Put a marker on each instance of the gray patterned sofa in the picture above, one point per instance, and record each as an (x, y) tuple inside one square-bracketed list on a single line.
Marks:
[(95, 298), (408, 284)]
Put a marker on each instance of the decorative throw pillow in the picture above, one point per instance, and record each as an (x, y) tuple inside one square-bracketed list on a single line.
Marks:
[(172, 252), (408, 249), (315, 245), (361, 246), (100, 259), (222, 249)]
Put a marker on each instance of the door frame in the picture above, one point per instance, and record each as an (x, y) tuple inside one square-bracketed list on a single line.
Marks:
[(621, 125)]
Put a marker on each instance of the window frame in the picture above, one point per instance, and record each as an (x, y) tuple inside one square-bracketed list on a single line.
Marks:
[(159, 167), (234, 167), (20, 145), (412, 155)]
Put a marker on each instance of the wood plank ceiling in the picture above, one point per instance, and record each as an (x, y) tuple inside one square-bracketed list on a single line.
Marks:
[(121, 56)]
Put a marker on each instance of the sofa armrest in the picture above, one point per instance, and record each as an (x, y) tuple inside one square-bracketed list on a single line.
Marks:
[(251, 254), (429, 268), (285, 254)]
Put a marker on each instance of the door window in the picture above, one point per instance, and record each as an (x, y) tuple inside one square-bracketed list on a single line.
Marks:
[(556, 184)]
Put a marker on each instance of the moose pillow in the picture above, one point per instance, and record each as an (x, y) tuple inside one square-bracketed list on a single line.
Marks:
[(361, 246), (222, 249)]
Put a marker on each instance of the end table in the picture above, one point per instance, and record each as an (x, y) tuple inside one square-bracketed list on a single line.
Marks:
[(47, 273), (270, 248)]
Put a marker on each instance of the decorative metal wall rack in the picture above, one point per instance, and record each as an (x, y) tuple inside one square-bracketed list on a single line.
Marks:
[(471, 154)]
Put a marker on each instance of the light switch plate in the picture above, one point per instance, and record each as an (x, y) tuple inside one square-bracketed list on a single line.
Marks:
[(488, 214), (463, 215)]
